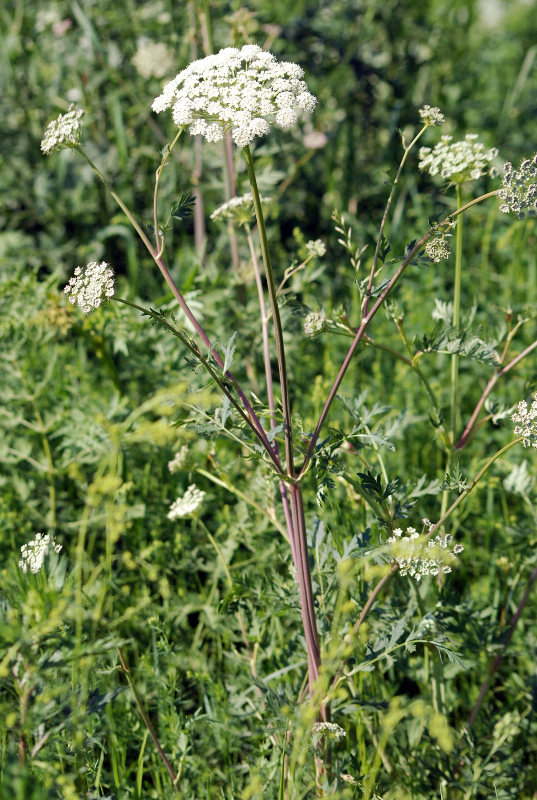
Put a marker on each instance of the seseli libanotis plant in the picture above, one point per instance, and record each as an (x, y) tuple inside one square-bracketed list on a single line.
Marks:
[(241, 93)]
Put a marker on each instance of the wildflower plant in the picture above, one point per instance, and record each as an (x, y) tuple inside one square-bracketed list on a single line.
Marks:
[(238, 94), (34, 553)]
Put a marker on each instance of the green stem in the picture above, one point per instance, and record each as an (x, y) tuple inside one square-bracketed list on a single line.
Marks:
[(278, 331), (456, 317)]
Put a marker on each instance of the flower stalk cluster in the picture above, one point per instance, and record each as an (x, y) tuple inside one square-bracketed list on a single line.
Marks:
[(90, 286), (243, 91), (458, 161), (525, 420), (418, 558), (64, 131), (34, 553), (519, 189)]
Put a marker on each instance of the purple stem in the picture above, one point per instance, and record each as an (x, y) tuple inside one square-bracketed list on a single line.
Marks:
[(490, 385), (497, 660)]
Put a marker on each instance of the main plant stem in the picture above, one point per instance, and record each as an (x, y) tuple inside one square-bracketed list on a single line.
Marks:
[(296, 521)]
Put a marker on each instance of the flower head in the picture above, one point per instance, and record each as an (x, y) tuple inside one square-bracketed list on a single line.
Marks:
[(88, 287), (64, 131), (458, 161), (239, 90), (519, 189), (328, 729), (314, 324), (418, 558), (186, 505), (431, 115), (178, 460), (34, 553), (525, 420), (152, 59), (438, 249), (316, 247), (239, 210)]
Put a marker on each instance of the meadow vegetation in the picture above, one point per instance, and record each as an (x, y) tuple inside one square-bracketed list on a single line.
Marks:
[(268, 424)]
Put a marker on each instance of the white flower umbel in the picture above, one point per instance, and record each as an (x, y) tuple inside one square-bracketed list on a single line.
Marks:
[(90, 286), (525, 420), (152, 59), (457, 161), (431, 115), (519, 189), (314, 324), (438, 249), (417, 557), (64, 131), (178, 460), (34, 553), (186, 505), (316, 247), (239, 90), (328, 729), (239, 210)]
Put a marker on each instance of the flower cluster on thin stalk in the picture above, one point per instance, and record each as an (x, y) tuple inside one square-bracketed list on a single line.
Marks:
[(525, 419), (64, 131), (186, 505), (34, 553), (438, 249), (417, 557), (316, 247), (519, 189), (179, 459), (239, 210), (315, 323), (90, 286), (431, 115), (460, 161), (243, 91)]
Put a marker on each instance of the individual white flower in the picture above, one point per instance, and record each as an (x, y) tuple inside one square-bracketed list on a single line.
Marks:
[(178, 460), (438, 249), (525, 420), (431, 115), (34, 553), (152, 59), (90, 286), (457, 161), (239, 210), (418, 557), (519, 189), (316, 247), (314, 324), (64, 131), (186, 505), (239, 90)]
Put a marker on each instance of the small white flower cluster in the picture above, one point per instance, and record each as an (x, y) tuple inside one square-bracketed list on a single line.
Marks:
[(458, 161), (419, 558), (314, 324), (438, 249), (64, 131), (239, 90), (152, 59), (186, 505), (34, 553), (431, 115), (328, 729), (88, 287), (178, 460), (239, 210), (525, 420), (316, 247), (519, 189)]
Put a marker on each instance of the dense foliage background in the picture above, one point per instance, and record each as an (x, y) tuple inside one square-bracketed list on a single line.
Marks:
[(205, 611)]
